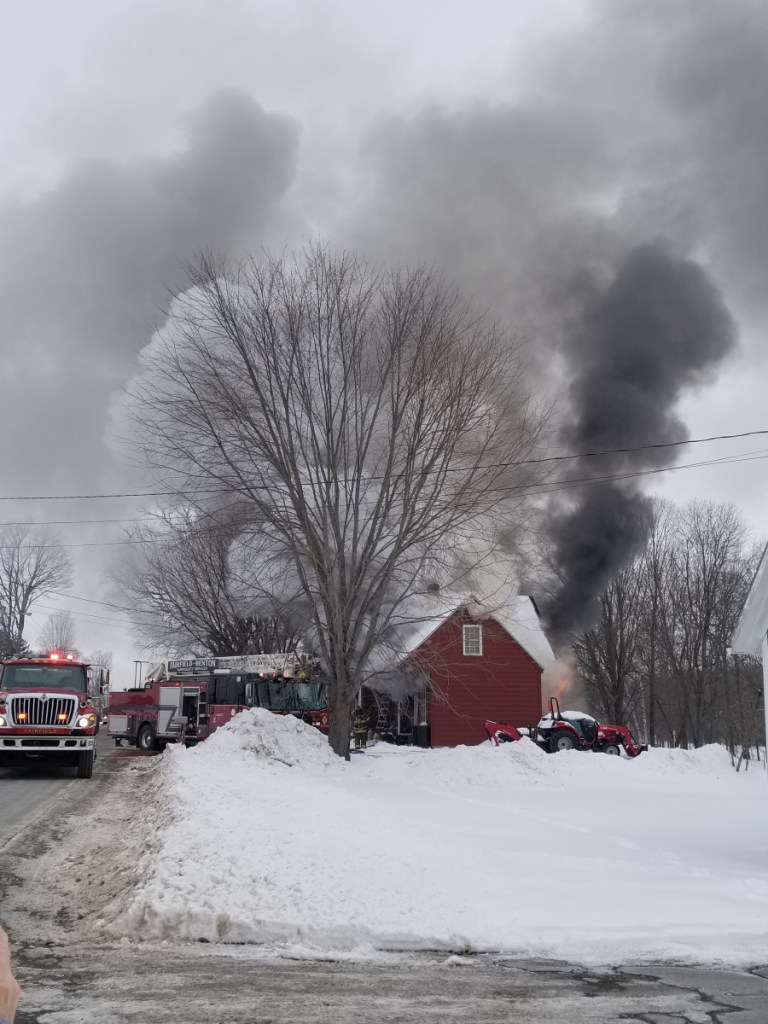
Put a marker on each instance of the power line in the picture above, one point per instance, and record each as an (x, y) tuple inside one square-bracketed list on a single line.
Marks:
[(639, 448), (84, 497), (521, 491), (91, 600), (555, 486), (584, 481), (76, 522), (91, 617), (492, 465)]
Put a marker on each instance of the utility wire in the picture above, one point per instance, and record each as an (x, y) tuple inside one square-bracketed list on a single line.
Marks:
[(556, 485), (90, 600), (75, 522), (521, 491), (648, 447), (90, 617), (492, 465)]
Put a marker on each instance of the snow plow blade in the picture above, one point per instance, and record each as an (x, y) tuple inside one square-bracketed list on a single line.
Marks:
[(499, 732)]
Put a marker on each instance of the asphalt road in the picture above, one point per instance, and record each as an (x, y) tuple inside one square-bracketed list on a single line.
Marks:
[(27, 792), (208, 985)]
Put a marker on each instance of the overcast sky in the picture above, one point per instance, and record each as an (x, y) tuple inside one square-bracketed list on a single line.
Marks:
[(521, 145)]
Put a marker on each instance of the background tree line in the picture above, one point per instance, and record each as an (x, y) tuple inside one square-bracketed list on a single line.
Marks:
[(659, 657)]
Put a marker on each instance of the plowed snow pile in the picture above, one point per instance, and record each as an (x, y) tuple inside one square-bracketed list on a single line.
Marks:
[(262, 835)]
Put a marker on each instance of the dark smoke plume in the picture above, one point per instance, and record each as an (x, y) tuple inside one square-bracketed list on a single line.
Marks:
[(648, 120), (656, 330), (85, 271)]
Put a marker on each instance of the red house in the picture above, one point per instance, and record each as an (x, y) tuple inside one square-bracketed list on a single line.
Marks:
[(478, 665)]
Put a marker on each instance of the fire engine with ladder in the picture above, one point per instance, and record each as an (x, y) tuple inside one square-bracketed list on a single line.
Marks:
[(185, 700), (50, 709)]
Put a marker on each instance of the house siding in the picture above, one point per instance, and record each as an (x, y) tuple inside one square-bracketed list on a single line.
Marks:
[(502, 684)]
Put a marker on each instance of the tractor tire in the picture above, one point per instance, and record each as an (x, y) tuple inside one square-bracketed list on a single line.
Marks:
[(612, 748), (85, 764), (564, 741), (146, 737)]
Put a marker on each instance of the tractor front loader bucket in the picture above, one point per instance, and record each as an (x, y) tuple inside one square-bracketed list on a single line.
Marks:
[(499, 732), (628, 741)]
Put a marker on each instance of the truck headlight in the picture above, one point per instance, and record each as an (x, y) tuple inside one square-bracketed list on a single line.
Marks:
[(85, 721), (2, 721)]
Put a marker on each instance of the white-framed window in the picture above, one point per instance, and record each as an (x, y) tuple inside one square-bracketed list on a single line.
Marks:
[(473, 639)]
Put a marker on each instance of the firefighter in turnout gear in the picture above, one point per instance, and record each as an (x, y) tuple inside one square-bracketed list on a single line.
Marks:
[(360, 727)]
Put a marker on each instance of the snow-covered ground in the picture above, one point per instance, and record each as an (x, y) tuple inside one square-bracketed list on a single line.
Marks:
[(268, 837)]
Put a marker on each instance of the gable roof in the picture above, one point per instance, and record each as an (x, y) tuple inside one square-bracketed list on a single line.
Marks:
[(518, 616)]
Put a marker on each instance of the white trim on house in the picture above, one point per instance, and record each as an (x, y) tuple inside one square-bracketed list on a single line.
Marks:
[(472, 640)]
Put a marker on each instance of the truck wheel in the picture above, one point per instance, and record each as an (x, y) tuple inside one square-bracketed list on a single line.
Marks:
[(564, 741), (85, 765), (611, 748), (146, 738)]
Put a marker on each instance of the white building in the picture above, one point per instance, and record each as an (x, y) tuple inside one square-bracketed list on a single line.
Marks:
[(751, 636)]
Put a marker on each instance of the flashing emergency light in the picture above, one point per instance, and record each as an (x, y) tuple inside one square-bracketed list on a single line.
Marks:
[(22, 716), (63, 716), (70, 657), (54, 655)]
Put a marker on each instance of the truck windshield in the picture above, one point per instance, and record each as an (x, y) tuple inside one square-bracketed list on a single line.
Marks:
[(291, 695), (44, 677)]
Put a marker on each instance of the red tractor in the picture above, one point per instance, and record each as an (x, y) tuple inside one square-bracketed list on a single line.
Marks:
[(568, 730)]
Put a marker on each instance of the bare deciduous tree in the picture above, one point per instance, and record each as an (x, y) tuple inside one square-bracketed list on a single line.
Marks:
[(365, 419), (654, 565), (32, 565), (659, 656), (608, 656), (706, 576), (58, 633), (186, 598), (101, 656)]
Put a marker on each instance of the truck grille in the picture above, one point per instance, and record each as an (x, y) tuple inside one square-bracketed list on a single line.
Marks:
[(35, 711)]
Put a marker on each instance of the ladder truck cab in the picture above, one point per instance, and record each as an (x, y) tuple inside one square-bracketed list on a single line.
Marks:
[(49, 710), (185, 700)]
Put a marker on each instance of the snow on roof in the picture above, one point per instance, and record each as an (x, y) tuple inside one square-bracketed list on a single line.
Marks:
[(521, 621), (517, 615)]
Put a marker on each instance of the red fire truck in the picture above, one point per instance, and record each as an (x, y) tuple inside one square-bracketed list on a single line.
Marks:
[(49, 709), (186, 700)]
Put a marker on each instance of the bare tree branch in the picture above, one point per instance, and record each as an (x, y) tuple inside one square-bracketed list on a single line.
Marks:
[(58, 633), (366, 420), (31, 566)]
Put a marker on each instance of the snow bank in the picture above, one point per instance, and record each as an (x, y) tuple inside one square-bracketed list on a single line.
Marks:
[(270, 838), (272, 739)]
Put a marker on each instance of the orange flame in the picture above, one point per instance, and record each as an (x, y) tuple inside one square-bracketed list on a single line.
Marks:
[(557, 679)]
